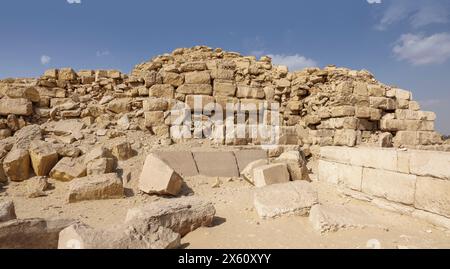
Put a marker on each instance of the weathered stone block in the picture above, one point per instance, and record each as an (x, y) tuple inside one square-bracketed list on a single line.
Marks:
[(244, 91), (433, 195), (245, 157), (181, 161), (162, 91), (122, 150), (270, 174), (337, 173), (376, 90), (201, 89), (16, 165), (224, 88), (402, 94), (7, 211), (154, 118), (332, 218), (292, 198), (95, 187), (100, 166), (155, 104), (67, 169), (121, 105), (43, 158), (216, 164), (157, 177), (20, 107), (173, 79), (193, 66), (345, 137), (392, 186), (181, 215), (430, 163), (362, 112), (32, 233), (343, 111), (202, 77)]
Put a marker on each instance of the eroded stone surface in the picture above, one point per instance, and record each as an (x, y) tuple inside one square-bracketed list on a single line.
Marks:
[(293, 198)]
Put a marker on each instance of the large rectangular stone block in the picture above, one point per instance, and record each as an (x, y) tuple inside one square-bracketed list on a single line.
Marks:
[(181, 161), (395, 187), (224, 88), (337, 173), (20, 106), (379, 158), (433, 195), (430, 163), (216, 164), (336, 154), (244, 157)]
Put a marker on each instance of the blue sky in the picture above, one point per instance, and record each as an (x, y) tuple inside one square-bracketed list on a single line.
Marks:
[(403, 42)]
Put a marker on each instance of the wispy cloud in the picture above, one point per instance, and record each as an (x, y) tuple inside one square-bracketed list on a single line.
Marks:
[(423, 50), (102, 53), (374, 1), (45, 59), (293, 62), (74, 1), (417, 13)]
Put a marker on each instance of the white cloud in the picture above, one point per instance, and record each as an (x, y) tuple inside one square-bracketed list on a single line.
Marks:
[(423, 50), (102, 53), (293, 62), (417, 13), (45, 59), (74, 1), (374, 1)]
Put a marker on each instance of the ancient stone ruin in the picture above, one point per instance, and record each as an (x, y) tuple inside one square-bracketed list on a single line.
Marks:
[(98, 137)]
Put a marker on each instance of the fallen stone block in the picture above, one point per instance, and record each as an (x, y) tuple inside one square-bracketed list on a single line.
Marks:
[(216, 164), (248, 170), (181, 161), (96, 187), (157, 177), (7, 211), (100, 166), (296, 163), (181, 215), (97, 153), (31, 233), (64, 127), (43, 158), (67, 169), (122, 151), (17, 165), (270, 174), (80, 236), (245, 157), (293, 198), (332, 218), (37, 186), (27, 135), (121, 105)]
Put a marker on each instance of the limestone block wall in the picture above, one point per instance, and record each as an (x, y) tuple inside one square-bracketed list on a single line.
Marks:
[(409, 181)]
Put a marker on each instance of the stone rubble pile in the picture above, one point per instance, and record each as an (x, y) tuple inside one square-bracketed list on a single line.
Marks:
[(330, 106)]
